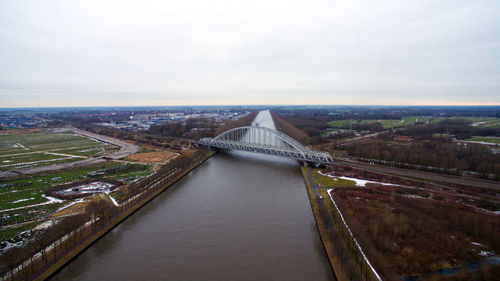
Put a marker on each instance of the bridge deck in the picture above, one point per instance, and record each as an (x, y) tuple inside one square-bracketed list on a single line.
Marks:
[(266, 141)]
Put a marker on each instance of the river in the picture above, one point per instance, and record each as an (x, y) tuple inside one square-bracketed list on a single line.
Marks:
[(238, 216)]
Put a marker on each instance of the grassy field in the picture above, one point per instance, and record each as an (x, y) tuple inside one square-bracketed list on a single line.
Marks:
[(339, 123), (11, 232), (26, 165), (28, 187), (19, 151), (485, 122), (329, 181), (486, 139), (387, 124), (479, 122), (25, 192)]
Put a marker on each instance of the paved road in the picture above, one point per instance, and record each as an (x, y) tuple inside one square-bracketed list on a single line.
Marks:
[(421, 174), (125, 150), (313, 185)]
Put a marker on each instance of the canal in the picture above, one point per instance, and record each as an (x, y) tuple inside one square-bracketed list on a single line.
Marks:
[(239, 216)]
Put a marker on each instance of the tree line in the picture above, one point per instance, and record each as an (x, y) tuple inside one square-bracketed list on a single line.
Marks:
[(448, 155), (288, 128), (240, 122), (193, 128), (460, 128)]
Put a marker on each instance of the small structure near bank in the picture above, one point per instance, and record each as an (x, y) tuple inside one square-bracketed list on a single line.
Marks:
[(84, 188)]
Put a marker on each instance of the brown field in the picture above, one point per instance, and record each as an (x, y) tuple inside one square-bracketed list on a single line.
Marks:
[(413, 228), (77, 208), (412, 236), (153, 157), (19, 131)]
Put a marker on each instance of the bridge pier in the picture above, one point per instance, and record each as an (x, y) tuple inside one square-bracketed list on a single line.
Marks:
[(306, 163)]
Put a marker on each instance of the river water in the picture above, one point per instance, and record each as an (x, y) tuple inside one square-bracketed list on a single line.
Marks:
[(238, 216)]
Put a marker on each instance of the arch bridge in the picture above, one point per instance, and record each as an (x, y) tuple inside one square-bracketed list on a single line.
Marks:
[(266, 141)]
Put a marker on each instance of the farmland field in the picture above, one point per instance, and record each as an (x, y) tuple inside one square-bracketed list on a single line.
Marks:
[(19, 151), (386, 124), (22, 200), (485, 122), (485, 139), (478, 122)]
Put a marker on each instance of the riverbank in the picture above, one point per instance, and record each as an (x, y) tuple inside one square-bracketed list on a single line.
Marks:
[(322, 223), (346, 257), (62, 260)]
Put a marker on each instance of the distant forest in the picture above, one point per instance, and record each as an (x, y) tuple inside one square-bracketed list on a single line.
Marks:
[(471, 157)]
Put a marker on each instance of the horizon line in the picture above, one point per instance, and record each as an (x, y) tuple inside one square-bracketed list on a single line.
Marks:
[(260, 105)]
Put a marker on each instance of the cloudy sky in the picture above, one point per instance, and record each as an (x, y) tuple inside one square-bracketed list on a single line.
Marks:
[(98, 53)]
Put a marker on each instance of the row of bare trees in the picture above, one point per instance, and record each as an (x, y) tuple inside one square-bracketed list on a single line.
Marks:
[(286, 127), (240, 122), (471, 157), (338, 239), (461, 128), (141, 137)]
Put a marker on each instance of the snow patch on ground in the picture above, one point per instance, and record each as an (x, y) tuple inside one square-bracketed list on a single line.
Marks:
[(89, 188), (22, 200), (12, 191), (484, 142), (35, 162), (44, 225), (69, 205), (359, 182), (113, 200), (485, 253), (414, 196), (52, 199), (496, 213)]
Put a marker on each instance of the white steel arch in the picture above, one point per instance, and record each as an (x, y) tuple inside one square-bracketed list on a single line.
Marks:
[(265, 140)]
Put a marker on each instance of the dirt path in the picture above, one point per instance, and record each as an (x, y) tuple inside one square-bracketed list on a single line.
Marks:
[(22, 146)]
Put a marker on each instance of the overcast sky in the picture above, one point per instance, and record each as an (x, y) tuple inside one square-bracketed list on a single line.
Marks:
[(98, 53)]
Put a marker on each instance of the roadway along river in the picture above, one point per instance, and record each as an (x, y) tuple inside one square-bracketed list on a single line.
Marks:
[(239, 216)]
